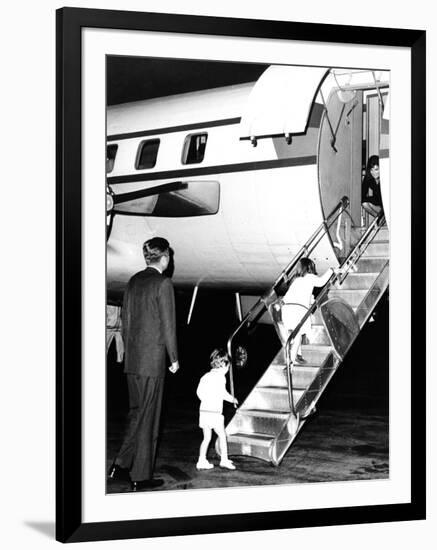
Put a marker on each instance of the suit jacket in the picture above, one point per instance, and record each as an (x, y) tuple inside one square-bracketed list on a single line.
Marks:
[(149, 323)]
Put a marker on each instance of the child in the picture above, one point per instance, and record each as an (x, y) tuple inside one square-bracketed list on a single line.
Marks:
[(297, 301), (212, 391)]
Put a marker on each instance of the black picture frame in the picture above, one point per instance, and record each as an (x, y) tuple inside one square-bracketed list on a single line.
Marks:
[(69, 524)]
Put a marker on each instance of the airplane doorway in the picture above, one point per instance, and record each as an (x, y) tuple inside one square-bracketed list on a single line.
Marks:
[(351, 131)]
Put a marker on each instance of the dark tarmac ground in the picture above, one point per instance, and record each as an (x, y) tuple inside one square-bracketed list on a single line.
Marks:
[(347, 439)]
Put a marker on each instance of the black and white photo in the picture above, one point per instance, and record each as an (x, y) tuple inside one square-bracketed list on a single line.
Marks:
[(240, 211)]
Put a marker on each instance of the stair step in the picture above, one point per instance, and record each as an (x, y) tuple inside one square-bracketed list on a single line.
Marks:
[(318, 336), (381, 248), (358, 281), (272, 398), (256, 445), (265, 413), (251, 439), (370, 264), (258, 421), (353, 297), (279, 359), (276, 375), (382, 235), (314, 354)]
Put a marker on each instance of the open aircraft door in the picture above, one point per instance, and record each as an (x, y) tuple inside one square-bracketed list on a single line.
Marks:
[(340, 154), (353, 128), (280, 103), (384, 159)]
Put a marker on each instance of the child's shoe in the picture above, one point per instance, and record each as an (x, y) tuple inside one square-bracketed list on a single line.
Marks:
[(203, 464), (227, 464)]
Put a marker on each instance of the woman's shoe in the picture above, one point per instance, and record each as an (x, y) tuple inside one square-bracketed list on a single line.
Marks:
[(300, 359)]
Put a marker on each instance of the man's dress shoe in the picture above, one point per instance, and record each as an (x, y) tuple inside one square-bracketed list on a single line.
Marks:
[(146, 484), (119, 473)]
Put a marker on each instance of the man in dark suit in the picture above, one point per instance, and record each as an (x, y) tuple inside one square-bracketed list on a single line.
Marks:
[(148, 330)]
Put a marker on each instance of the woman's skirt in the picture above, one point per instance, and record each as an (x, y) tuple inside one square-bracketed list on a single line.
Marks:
[(292, 315)]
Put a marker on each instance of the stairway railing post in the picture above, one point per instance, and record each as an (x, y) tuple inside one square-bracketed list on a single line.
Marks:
[(231, 371), (288, 366)]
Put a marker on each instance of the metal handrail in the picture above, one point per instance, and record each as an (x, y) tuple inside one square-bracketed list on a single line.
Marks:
[(356, 253), (309, 246), (351, 259), (304, 250)]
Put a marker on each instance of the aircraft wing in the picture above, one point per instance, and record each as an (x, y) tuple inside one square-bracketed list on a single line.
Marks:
[(173, 199)]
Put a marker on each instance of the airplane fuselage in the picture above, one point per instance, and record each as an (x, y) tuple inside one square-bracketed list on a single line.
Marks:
[(234, 213)]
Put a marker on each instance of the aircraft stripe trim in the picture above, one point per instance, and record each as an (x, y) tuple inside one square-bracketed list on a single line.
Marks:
[(314, 122), (171, 129), (209, 170)]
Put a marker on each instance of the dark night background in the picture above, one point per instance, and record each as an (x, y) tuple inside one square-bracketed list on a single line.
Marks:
[(136, 78), (361, 383)]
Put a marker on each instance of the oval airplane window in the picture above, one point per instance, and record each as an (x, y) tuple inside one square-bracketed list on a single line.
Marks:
[(111, 152), (147, 154), (194, 148)]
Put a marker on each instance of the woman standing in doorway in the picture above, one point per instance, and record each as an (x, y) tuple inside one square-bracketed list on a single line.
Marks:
[(371, 188)]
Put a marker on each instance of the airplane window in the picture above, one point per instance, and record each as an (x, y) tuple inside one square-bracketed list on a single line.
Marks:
[(147, 154), (194, 148), (111, 151)]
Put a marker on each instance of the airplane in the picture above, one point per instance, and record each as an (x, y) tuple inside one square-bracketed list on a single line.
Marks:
[(237, 177), (243, 180)]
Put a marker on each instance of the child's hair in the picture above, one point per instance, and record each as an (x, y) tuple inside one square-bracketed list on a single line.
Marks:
[(155, 248), (216, 358), (304, 267)]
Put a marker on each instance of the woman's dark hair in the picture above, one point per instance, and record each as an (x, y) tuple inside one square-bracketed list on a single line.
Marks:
[(373, 161), (155, 248), (304, 267)]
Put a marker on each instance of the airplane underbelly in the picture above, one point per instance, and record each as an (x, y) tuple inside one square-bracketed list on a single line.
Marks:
[(264, 217)]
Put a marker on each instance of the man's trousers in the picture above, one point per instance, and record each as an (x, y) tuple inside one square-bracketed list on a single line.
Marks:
[(138, 451)]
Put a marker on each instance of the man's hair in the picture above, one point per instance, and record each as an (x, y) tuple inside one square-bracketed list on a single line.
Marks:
[(216, 358), (154, 249)]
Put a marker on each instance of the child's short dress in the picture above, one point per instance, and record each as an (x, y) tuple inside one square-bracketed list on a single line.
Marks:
[(297, 300), (292, 315), (211, 419)]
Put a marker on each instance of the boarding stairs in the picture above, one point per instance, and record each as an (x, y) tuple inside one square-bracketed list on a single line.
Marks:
[(271, 416)]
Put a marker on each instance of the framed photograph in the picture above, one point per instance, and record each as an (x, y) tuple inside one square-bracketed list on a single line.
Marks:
[(240, 291)]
